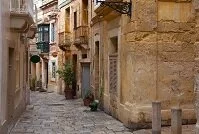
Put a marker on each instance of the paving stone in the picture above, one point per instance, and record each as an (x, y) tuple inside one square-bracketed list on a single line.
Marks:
[(50, 113)]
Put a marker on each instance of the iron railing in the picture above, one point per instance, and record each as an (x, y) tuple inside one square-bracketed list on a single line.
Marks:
[(44, 47)]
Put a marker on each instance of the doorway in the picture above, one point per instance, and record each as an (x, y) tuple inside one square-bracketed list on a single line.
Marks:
[(96, 63), (10, 90), (85, 85), (74, 83), (46, 69)]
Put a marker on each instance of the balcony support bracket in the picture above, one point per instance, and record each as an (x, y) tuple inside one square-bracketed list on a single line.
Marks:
[(121, 7)]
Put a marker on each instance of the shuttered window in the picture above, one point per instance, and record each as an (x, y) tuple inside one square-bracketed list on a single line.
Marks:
[(113, 73)]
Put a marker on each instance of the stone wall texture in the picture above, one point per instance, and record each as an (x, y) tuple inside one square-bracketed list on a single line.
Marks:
[(156, 60), (14, 68)]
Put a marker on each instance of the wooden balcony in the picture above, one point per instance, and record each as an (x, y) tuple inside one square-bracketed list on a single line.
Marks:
[(21, 15), (43, 47), (32, 31), (65, 41), (81, 36)]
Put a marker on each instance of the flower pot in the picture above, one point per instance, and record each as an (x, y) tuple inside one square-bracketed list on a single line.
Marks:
[(69, 94), (87, 102)]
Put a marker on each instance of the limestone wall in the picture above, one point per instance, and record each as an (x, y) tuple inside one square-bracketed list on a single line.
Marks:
[(158, 59), (66, 24), (156, 55), (14, 76), (4, 36)]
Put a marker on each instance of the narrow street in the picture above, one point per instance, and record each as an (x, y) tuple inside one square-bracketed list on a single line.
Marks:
[(50, 113)]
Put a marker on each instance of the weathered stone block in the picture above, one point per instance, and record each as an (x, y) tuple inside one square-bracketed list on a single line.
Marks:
[(129, 27), (178, 12), (145, 15), (141, 36), (176, 78), (188, 37), (176, 56), (169, 47), (166, 37), (167, 26), (170, 26)]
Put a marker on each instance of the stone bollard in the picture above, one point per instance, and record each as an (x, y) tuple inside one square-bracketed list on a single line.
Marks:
[(176, 121), (156, 117), (197, 109)]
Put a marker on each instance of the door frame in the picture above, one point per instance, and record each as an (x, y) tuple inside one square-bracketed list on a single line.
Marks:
[(82, 71)]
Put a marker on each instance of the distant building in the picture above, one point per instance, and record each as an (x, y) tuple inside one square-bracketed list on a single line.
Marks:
[(46, 43), (73, 30)]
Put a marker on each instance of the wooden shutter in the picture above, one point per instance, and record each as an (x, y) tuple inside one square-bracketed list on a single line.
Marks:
[(113, 74)]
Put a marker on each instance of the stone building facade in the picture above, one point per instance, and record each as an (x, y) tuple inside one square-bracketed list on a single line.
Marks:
[(143, 58), (73, 41), (50, 12), (16, 30), (46, 44), (196, 7)]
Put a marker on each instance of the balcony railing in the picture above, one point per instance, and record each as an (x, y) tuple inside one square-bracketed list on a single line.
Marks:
[(81, 35), (22, 7), (65, 40), (44, 47)]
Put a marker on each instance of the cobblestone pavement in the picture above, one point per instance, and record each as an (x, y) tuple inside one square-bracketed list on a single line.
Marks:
[(50, 113)]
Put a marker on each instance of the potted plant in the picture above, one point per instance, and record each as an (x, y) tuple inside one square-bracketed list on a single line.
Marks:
[(32, 84), (67, 75), (88, 98), (94, 105)]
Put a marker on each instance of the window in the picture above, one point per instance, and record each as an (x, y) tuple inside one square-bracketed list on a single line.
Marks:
[(113, 45), (46, 33), (53, 70), (75, 20), (43, 33), (40, 34), (17, 70), (67, 20), (84, 56), (52, 34)]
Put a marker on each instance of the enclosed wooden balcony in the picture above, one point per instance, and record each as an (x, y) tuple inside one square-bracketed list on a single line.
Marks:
[(22, 15), (43, 47), (65, 41), (81, 36)]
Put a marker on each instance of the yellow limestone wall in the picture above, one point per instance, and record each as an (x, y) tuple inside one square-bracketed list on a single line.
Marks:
[(156, 60)]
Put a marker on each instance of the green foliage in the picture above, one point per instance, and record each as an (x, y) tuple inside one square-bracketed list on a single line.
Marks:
[(89, 95), (67, 73), (94, 105)]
